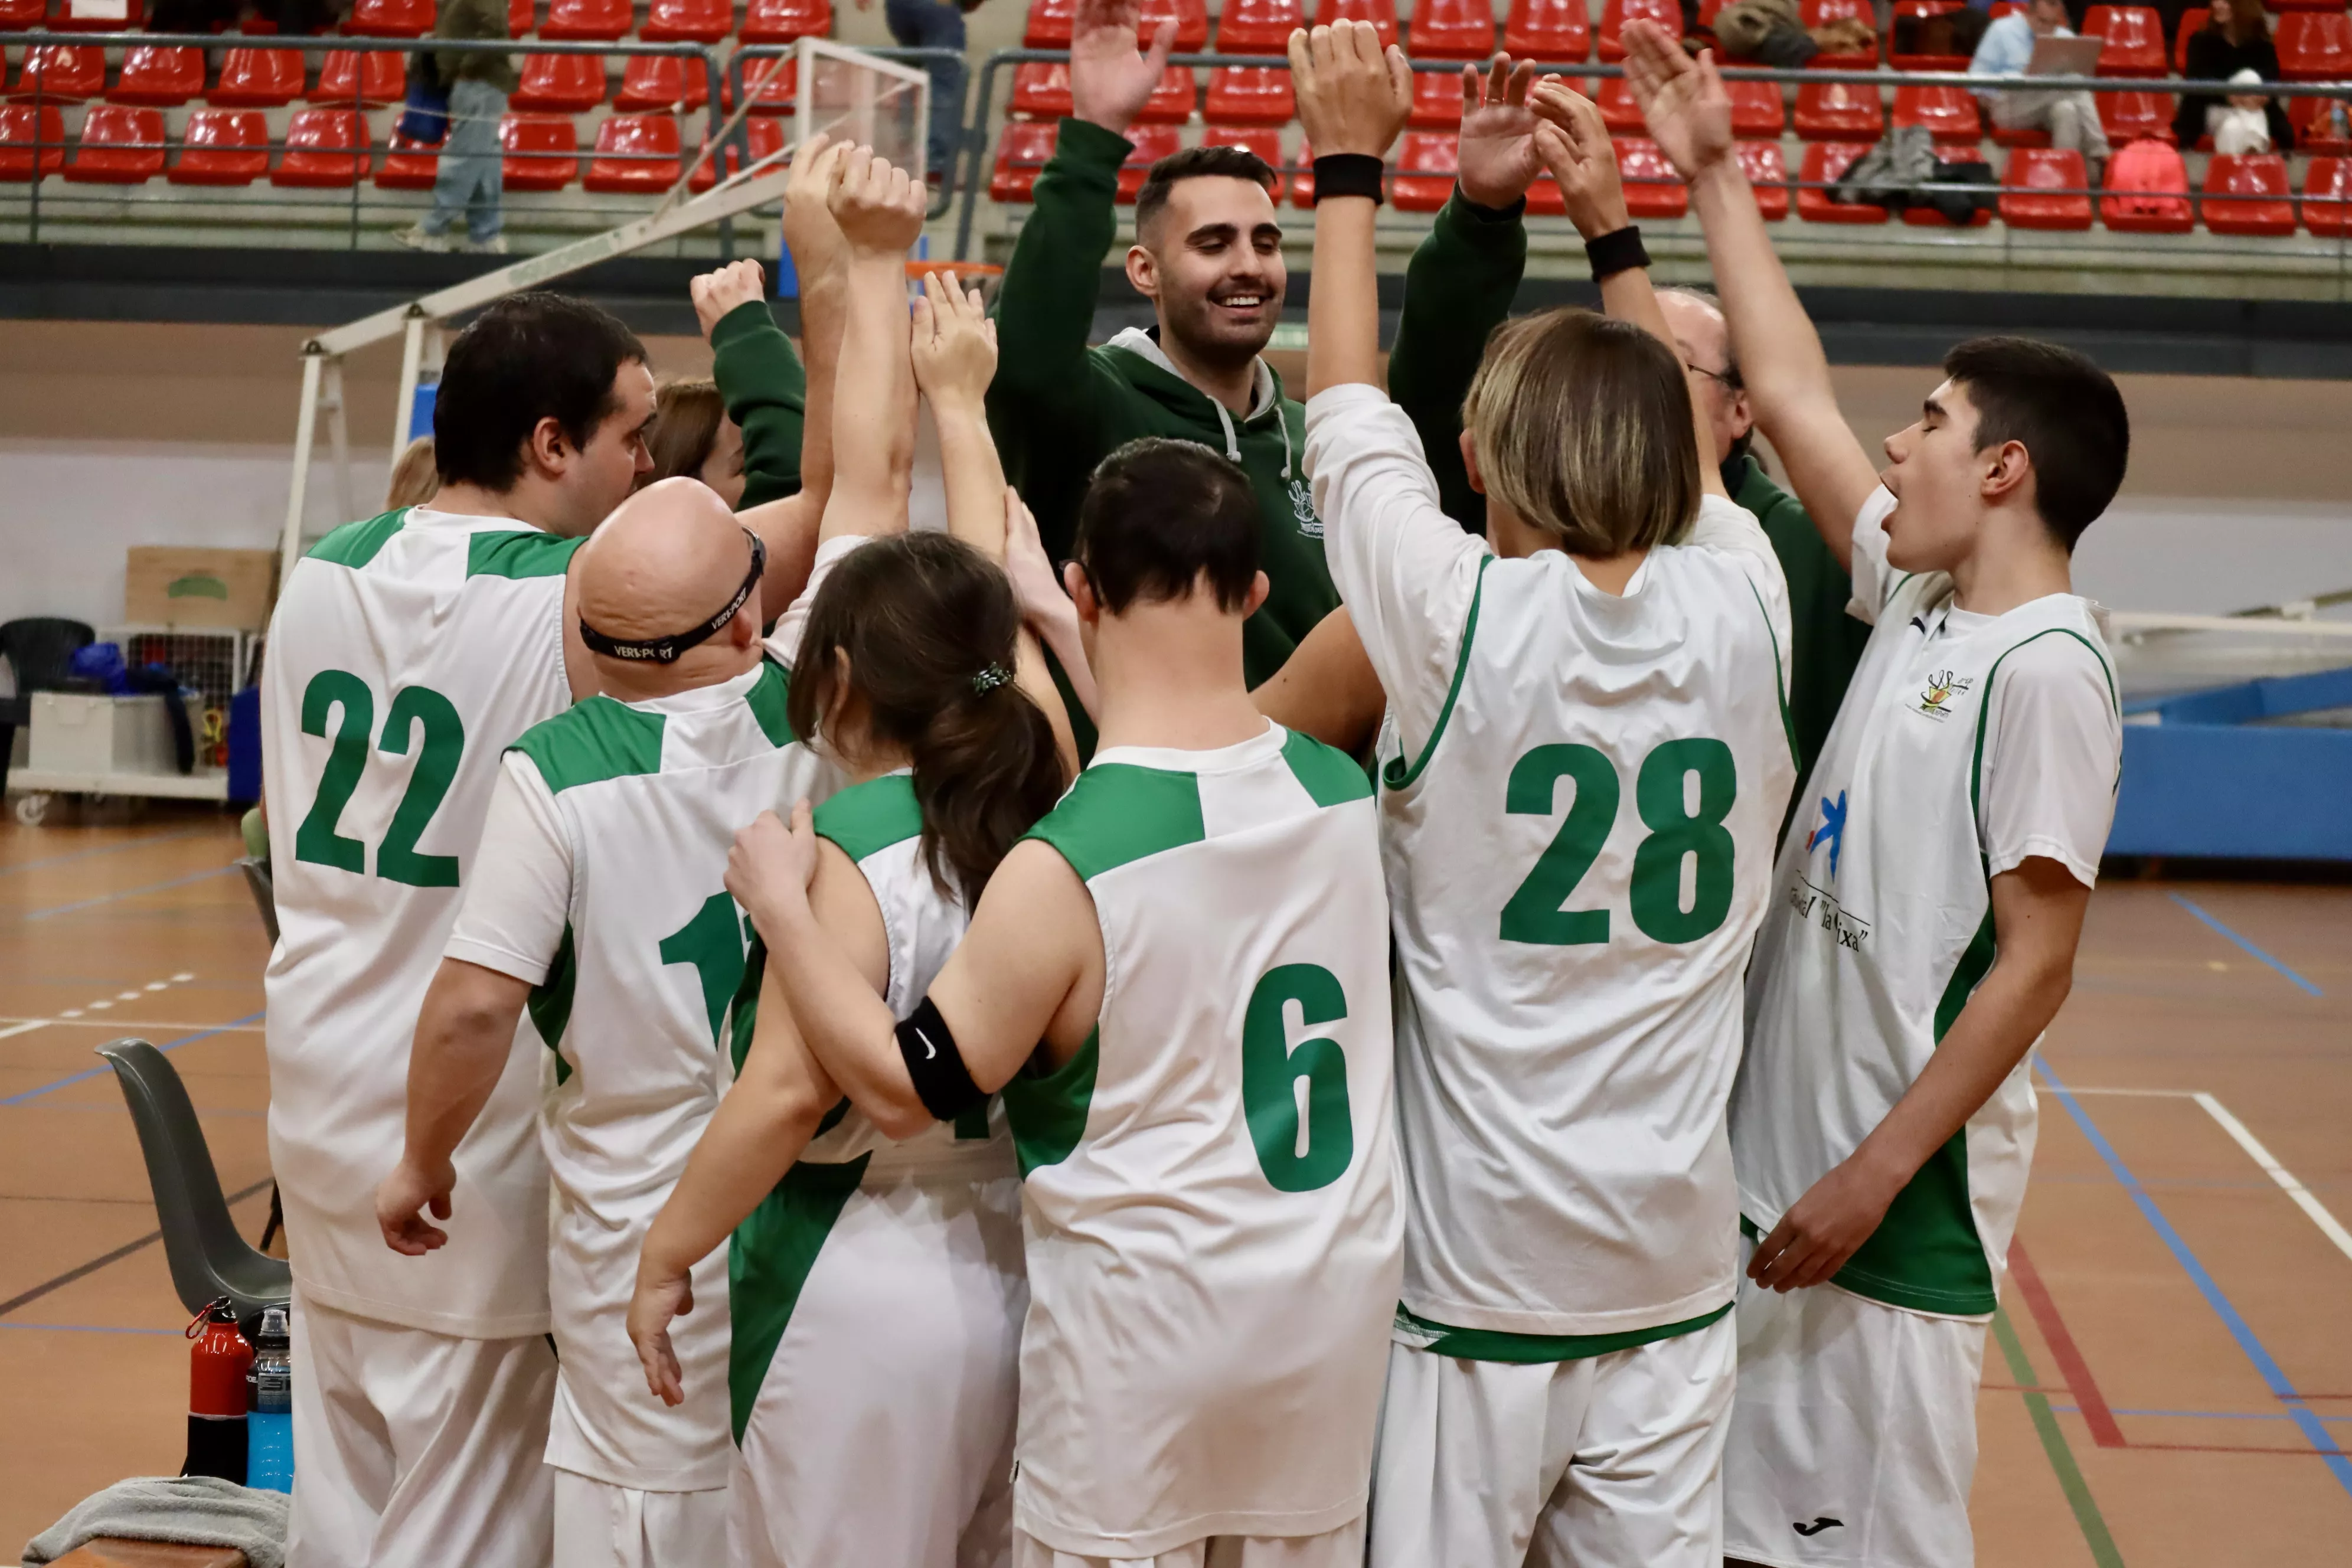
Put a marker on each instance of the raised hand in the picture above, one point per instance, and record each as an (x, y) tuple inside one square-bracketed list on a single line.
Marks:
[(1353, 95), (659, 1298), (1683, 100), (716, 294), (1575, 147), (878, 206), (810, 233), (954, 344), (1110, 79), (1496, 150)]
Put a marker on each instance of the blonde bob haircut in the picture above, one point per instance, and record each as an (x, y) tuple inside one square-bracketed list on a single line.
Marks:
[(1582, 427)]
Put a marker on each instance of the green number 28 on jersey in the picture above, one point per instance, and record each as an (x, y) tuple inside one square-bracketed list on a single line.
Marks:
[(437, 754), (1537, 912)]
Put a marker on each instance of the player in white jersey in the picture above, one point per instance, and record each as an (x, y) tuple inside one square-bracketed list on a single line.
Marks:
[(1179, 985), (406, 654), (1927, 902), (1567, 960)]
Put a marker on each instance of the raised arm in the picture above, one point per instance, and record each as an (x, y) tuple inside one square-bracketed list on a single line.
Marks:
[(1780, 357), (954, 350), (1327, 688), (1353, 98), (880, 212)]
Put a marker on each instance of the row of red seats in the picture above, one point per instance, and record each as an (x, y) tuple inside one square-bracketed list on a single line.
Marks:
[(127, 146), (685, 21), (2242, 195)]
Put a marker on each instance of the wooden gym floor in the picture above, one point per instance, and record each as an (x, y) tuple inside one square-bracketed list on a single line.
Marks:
[(2169, 1383)]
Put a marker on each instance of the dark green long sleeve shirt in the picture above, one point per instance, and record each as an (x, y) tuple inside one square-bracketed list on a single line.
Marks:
[(765, 387)]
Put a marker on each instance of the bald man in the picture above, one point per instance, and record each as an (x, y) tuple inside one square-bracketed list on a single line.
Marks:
[(598, 902)]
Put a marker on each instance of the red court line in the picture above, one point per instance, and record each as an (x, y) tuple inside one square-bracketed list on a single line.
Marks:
[(2092, 1404)]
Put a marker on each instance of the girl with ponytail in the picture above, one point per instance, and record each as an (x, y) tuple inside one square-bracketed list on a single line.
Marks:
[(876, 1288)]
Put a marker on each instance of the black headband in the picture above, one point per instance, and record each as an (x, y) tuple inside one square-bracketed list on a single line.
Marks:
[(670, 649)]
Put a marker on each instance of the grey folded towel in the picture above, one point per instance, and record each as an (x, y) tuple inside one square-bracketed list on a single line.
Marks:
[(187, 1510)]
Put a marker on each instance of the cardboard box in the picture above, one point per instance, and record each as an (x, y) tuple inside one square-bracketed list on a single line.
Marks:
[(73, 734), (183, 585)]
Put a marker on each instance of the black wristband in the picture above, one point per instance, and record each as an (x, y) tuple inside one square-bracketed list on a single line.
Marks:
[(1484, 214), (1348, 175), (942, 1081), (1619, 250)]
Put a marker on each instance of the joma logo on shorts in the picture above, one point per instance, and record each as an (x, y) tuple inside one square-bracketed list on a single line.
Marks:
[(1820, 1524)]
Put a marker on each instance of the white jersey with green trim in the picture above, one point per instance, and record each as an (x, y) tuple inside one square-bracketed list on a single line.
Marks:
[(1210, 1185), (1967, 743), (406, 652), (1579, 795), (622, 884)]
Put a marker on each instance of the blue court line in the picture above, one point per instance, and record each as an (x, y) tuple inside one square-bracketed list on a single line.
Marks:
[(91, 1329), (2272, 1375), (125, 894), (103, 849), (2308, 988), (107, 1067)]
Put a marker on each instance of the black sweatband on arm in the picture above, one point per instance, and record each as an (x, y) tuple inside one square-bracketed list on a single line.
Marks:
[(936, 1066), (1619, 250), (1348, 175)]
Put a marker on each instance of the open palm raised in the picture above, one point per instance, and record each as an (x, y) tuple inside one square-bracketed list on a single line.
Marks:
[(1683, 100), (1110, 79)]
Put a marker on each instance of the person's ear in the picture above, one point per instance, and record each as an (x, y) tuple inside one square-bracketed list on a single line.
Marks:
[(1470, 462), (550, 450), (1143, 271), (1259, 589), (2006, 476), (1082, 593), (1743, 417)]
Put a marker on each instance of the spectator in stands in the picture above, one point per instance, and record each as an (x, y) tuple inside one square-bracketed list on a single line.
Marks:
[(414, 478), (2071, 117), (1773, 32), (934, 25), (470, 181), (2237, 40), (692, 438)]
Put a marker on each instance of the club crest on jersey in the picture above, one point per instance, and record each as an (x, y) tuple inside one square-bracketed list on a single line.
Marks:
[(1936, 700), (1302, 508)]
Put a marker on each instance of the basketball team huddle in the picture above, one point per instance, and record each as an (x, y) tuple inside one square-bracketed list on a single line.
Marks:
[(1442, 977)]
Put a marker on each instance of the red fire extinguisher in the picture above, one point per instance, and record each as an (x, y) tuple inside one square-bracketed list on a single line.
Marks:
[(217, 1363)]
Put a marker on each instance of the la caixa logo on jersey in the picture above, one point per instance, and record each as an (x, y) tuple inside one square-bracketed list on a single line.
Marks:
[(1812, 901)]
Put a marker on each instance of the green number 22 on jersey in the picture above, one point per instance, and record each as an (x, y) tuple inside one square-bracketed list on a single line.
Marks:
[(1537, 912), (444, 743)]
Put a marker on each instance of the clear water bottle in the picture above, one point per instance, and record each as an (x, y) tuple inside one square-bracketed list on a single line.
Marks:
[(269, 1444)]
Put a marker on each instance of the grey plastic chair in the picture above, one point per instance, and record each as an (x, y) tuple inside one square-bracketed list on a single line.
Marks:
[(208, 1259), (265, 892)]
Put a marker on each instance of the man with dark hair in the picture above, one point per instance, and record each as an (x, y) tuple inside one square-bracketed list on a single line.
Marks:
[(406, 653), (1928, 896), (1233, 867)]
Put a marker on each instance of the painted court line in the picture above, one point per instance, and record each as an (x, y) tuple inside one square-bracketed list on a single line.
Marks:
[(2190, 905), (134, 1026), (2272, 1375), (26, 1027), (2088, 1401), (106, 1067), (83, 1271), (140, 843), (2085, 1508), (126, 893)]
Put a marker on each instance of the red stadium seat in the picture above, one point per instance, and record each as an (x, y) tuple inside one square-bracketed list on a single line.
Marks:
[(160, 79), (1424, 172), (2018, 138), (1436, 101), (15, 15), (223, 147), (541, 151), (561, 84), (1756, 110), (2315, 45), (2328, 197), (258, 79), (1257, 95), (635, 153), (771, 94), (2032, 173), (1837, 112), (2321, 124), (1152, 143), (2248, 194), (1048, 27), (407, 165), (691, 21), (662, 82), (1949, 113), (62, 73), (1768, 172), (1619, 111), (1191, 22), (1302, 184), (1709, 10), (2136, 116), (374, 79), (1263, 140), (781, 21), (521, 14), (1821, 13), (1923, 9), (391, 18), (1553, 31), (2302, 5), (1381, 14), (767, 136), (2003, 7), (1022, 151), (1615, 13), (587, 19), (1173, 100), (324, 147), (1824, 161), (2130, 212), (22, 127), (1451, 30), (1544, 199), (1258, 26), (1928, 217), (120, 146), (92, 16), (2131, 39), (1653, 189), (1041, 89), (2192, 21)]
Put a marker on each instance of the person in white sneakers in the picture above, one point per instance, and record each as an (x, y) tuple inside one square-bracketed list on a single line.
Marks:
[(1927, 902)]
